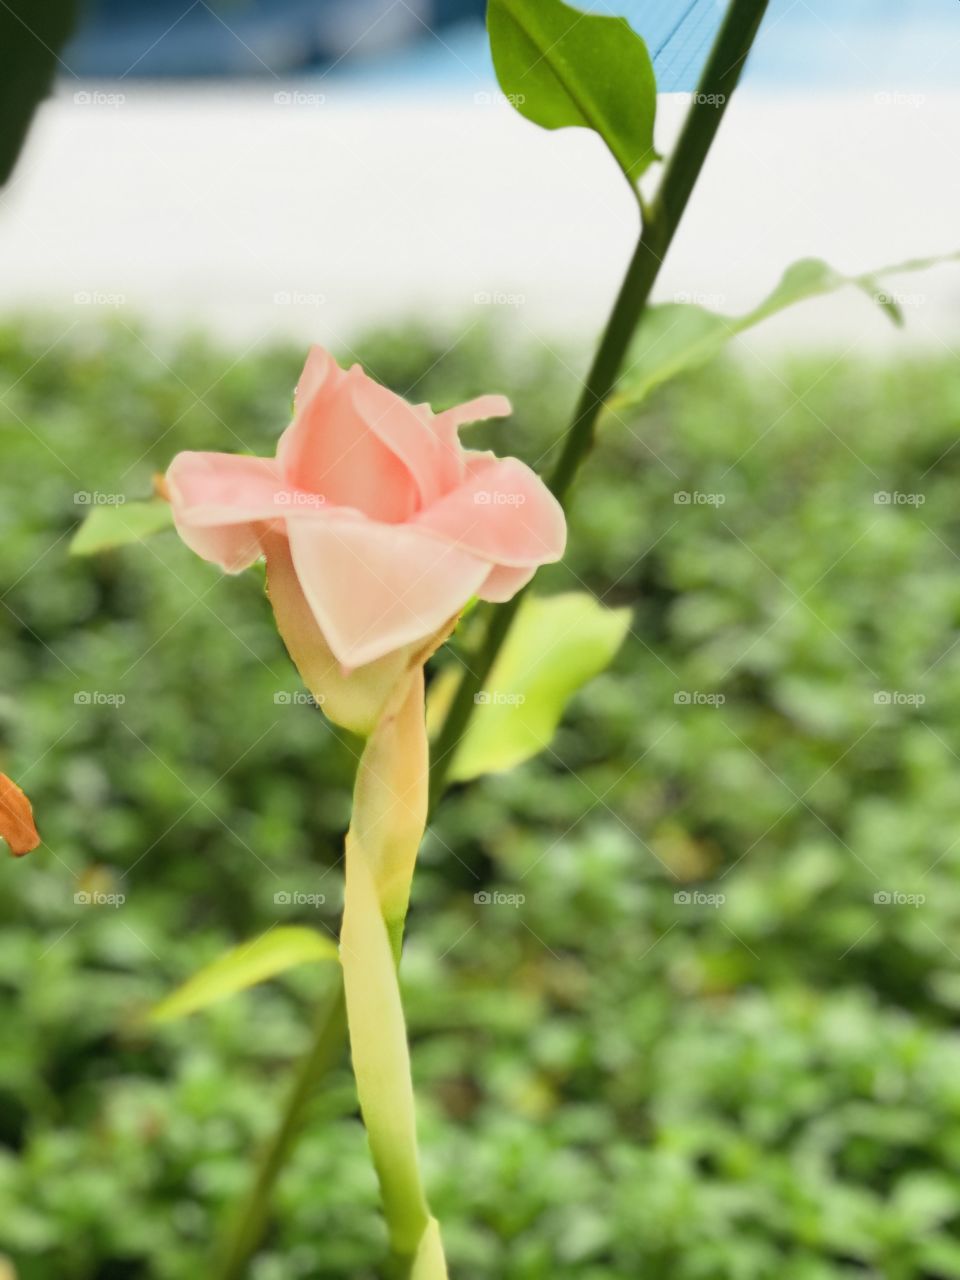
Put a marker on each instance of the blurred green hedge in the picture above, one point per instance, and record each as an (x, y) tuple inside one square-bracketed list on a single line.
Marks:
[(716, 1039)]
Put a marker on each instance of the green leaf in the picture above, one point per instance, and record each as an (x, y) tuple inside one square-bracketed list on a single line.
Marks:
[(555, 646), (560, 66), (120, 523), (282, 948), (680, 335), (31, 36)]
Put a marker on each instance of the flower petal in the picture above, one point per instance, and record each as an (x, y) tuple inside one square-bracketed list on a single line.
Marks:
[(16, 818), (218, 499), (504, 581), (447, 424), (330, 448), (503, 512), (478, 410), (407, 431), (355, 700), (375, 587), (319, 369)]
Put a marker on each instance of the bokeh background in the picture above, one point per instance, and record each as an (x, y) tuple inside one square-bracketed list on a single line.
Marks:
[(717, 1037)]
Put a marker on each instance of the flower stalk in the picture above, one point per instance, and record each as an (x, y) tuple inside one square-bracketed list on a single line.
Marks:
[(377, 883), (389, 816)]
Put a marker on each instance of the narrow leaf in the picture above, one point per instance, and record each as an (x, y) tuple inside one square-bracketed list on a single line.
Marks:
[(282, 948), (555, 646), (118, 524), (560, 66), (680, 335)]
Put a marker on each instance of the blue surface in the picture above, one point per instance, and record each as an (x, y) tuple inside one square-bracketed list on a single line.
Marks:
[(869, 44), (825, 44)]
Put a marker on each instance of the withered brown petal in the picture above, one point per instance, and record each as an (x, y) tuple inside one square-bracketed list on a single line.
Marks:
[(16, 818)]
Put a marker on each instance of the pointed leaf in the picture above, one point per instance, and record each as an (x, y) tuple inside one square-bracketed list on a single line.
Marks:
[(560, 66), (282, 948), (555, 646), (118, 524), (680, 335)]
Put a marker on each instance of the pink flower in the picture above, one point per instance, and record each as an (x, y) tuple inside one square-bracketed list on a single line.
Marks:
[(393, 526)]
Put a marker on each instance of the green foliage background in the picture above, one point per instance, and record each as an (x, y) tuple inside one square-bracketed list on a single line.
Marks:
[(613, 1082)]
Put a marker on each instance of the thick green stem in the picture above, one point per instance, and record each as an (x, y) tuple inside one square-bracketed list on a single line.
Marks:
[(661, 220), (662, 217), (386, 831)]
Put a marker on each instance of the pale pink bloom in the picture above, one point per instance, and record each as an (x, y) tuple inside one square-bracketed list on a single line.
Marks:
[(393, 525)]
